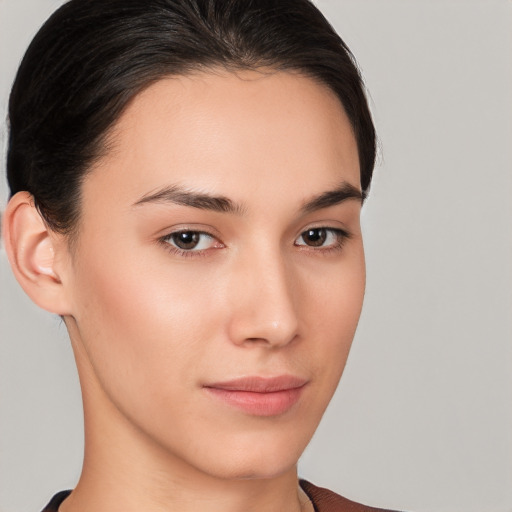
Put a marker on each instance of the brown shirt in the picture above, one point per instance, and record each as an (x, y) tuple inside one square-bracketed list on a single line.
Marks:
[(327, 501), (323, 500)]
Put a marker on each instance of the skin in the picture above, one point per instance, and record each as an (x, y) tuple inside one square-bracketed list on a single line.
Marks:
[(151, 326)]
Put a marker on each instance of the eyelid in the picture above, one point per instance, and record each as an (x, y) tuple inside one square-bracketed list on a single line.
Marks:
[(185, 226), (341, 235), (328, 225), (165, 240)]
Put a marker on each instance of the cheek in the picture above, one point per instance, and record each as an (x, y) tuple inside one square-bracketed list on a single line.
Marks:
[(142, 324), (335, 299)]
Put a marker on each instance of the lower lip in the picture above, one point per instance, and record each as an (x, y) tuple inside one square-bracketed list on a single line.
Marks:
[(259, 404)]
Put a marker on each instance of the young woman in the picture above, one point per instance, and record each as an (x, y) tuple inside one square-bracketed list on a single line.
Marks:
[(187, 179)]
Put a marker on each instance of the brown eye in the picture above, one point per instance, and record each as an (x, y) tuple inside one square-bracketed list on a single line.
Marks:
[(324, 238), (191, 242), (186, 240), (314, 237)]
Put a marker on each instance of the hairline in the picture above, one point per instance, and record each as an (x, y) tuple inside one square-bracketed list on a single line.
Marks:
[(106, 141)]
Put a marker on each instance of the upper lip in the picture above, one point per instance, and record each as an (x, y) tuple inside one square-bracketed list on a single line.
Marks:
[(257, 384)]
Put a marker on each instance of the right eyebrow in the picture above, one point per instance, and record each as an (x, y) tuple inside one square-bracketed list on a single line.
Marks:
[(343, 192), (180, 195)]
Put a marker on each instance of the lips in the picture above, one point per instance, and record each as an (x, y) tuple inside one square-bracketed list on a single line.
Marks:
[(259, 396)]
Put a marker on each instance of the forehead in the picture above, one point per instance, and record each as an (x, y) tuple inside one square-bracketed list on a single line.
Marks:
[(225, 132)]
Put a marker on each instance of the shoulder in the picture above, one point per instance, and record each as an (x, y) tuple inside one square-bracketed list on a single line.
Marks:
[(325, 500), (55, 502)]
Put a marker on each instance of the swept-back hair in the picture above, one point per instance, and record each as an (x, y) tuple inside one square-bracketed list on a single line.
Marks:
[(93, 56)]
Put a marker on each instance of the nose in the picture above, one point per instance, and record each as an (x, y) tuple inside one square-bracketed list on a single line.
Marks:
[(264, 308)]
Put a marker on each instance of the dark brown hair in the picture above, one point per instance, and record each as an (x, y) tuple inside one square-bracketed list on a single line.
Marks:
[(93, 56)]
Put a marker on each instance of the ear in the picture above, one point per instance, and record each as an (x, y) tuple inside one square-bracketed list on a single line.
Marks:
[(33, 251)]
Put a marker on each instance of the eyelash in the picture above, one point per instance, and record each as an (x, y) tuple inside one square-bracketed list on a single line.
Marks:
[(341, 235), (165, 241)]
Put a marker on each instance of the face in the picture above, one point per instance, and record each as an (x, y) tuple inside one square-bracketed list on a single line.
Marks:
[(219, 272)]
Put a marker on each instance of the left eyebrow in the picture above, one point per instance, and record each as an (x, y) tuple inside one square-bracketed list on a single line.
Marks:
[(343, 193)]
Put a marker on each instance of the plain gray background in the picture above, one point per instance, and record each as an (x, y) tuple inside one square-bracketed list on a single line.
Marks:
[(423, 418)]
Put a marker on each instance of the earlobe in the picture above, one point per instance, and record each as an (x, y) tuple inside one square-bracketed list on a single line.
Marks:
[(32, 251)]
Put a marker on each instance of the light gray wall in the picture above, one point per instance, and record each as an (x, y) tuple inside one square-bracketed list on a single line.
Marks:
[(423, 418)]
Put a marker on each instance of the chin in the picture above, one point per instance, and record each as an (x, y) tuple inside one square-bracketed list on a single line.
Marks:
[(254, 470), (263, 458)]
